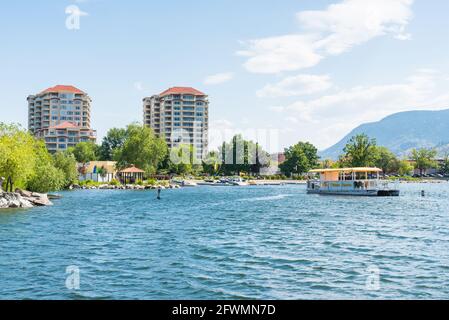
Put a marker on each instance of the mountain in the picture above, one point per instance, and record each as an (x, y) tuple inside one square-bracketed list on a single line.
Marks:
[(402, 132)]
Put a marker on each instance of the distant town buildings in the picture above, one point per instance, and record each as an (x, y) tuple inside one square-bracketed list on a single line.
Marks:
[(180, 115), (61, 116)]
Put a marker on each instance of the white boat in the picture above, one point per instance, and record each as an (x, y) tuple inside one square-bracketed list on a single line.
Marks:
[(185, 183), (350, 182), (238, 182)]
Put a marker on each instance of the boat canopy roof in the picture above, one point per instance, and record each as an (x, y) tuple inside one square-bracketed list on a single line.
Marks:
[(361, 169)]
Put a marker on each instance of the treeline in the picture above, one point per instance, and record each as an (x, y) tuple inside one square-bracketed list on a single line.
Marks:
[(138, 145), (25, 162), (361, 151)]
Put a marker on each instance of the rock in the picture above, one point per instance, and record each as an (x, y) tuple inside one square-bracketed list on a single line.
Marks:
[(41, 203), (14, 200), (24, 193)]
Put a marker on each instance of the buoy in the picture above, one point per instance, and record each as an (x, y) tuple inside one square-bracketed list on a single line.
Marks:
[(159, 193)]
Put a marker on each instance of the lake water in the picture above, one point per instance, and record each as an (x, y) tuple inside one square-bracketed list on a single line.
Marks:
[(229, 243)]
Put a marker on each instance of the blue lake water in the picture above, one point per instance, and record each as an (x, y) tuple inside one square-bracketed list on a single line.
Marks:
[(229, 243)]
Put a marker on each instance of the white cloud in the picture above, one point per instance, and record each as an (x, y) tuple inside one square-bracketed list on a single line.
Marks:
[(218, 78), (284, 53), (328, 32), (328, 118), (299, 85)]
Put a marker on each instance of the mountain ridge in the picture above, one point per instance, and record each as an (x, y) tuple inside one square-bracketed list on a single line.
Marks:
[(401, 132)]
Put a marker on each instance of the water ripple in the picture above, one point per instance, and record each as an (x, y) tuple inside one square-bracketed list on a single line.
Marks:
[(228, 243)]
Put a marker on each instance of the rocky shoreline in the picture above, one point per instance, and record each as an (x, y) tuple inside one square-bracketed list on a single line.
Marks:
[(123, 187), (23, 199)]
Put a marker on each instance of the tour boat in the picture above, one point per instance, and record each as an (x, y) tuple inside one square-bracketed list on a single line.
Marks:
[(350, 182)]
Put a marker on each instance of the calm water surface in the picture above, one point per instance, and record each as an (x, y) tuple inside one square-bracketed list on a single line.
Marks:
[(228, 243)]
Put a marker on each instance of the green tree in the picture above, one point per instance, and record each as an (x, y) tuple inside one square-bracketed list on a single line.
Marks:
[(212, 163), (85, 152), (46, 178), (424, 159), (405, 168), (445, 165), (327, 164), (300, 158), (17, 155), (141, 148), (66, 162), (360, 151), (112, 142), (385, 160), (182, 159), (26, 162), (240, 155)]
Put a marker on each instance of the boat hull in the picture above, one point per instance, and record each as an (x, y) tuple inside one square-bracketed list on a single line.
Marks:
[(362, 193)]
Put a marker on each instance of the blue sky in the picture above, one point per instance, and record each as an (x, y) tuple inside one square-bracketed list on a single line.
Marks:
[(311, 69)]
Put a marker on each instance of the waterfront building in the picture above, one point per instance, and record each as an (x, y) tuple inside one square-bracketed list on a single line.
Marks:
[(98, 171), (61, 116), (180, 115)]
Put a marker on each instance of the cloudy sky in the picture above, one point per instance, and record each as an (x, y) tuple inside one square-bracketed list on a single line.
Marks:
[(310, 69)]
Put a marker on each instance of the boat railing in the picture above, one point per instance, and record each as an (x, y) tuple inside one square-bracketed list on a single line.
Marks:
[(360, 184)]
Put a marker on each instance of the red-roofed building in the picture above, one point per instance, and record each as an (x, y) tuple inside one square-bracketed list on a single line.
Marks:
[(62, 88), (182, 90), (180, 115), (61, 116)]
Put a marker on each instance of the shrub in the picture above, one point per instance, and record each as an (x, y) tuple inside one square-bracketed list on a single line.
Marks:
[(114, 182), (152, 182)]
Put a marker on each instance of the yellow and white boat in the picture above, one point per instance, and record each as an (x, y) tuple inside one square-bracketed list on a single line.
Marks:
[(349, 182)]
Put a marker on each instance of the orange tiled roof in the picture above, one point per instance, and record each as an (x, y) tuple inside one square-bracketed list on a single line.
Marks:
[(62, 88), (65, 125), (132, 169), (182, 90)]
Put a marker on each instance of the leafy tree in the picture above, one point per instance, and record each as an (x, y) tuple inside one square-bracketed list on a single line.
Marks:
[(17, 155), (424, 159), (102, 172), (66, 162), (46, 178), (405, 168), (85, 152), (240, 155), (300, 158), (112, 142), (385, 160), (212, 163), (182, 159), (327, 164), (445, 165), (141, 148), (26, 162), (360, 151)]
